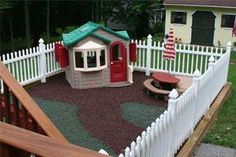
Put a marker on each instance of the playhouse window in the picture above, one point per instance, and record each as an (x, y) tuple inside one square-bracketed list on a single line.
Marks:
[(116, 53), (91, 59), (79, 61), (178, 17), (227, 21), (102, 57)]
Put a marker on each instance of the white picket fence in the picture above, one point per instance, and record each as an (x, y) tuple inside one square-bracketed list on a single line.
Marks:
[(33, 64), (37, 63), (167, 133), (207, 65), (188, 57)]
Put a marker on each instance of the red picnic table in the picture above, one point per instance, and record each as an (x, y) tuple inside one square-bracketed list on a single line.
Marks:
[(165, 80)]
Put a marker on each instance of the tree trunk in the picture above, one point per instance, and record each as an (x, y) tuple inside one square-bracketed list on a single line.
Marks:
[(48, 21), (11, 31), (3, 29), (100, 8), (1, 26), (27, 23)]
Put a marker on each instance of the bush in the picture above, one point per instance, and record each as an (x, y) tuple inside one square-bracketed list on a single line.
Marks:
[(158, 28)]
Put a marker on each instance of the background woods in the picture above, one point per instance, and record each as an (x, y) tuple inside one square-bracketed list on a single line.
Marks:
[(23, 22)]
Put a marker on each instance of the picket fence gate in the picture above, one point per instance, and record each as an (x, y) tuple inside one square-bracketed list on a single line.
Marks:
[(208, 66)]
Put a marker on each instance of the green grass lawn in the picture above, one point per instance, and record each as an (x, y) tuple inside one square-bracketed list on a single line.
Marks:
[(223, 131)]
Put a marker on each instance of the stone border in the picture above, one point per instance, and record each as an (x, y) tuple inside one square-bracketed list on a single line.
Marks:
[(205, 123)]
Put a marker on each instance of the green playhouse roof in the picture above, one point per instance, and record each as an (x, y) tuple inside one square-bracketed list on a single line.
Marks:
[(89, 29)]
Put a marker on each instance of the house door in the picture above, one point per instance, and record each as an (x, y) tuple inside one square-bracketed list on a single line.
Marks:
[(203, 27), (118, 62)]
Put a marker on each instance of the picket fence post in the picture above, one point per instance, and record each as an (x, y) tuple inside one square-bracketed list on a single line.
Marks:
[(196, 82), (228, 52), (42, 60), (138, 146), (211, 67), (172, 107), (127, 151), (229, 47), (148, 57)]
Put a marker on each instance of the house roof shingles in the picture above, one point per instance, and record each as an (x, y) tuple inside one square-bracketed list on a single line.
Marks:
[(203, 3), (89, 29)]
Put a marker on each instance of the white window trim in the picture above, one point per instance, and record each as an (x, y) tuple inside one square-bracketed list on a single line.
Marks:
[(85, 53)]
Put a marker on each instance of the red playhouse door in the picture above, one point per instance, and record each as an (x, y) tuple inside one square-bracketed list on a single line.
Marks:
[(118, 62)]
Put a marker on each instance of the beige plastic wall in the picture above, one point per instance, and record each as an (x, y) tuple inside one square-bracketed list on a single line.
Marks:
[(184, 31)]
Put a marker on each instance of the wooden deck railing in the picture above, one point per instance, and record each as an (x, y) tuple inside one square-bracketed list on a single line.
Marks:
[(20, 137), (18, 108), (13, 139)]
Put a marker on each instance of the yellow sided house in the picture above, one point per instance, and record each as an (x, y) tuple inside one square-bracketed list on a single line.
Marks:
[(201, 22)]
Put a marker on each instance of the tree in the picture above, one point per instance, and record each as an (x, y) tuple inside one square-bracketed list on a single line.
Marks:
[(48, 20), (6, 6), (11, 31), (135, 14), (27, 22)]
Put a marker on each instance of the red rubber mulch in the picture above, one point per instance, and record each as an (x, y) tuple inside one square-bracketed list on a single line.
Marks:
[(99, 108)]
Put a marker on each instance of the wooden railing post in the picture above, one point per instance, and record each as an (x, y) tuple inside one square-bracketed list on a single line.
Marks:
[(43, 65), (17, 112), (4, 150), (7, 103), (148, 55)]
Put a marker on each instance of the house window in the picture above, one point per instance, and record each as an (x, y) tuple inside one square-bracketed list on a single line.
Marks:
[(227, 20), (178, 17)]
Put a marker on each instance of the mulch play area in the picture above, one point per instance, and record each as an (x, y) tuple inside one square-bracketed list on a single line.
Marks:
[(112, 116)]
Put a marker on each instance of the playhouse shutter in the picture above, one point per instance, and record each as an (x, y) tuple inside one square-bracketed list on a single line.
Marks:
[(57, 51), (63, 57), (132, 52)]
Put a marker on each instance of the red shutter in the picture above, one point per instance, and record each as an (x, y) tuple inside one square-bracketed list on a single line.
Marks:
[(57, 46), (132, 52), (63, 57)]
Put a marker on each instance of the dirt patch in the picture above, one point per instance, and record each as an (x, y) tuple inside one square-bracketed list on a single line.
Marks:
[(99, 108)]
